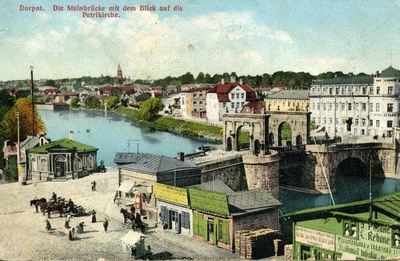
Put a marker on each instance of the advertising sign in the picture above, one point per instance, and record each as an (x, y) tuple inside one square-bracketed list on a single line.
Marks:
[(171, 193)]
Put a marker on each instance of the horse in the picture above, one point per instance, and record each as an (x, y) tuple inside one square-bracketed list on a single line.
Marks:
[(53, 206), (38, 202), (138, 225), (127, 215)]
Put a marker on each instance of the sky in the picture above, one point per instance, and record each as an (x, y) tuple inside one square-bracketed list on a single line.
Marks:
[(249, 37)]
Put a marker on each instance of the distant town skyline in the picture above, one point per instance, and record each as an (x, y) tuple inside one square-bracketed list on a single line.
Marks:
[(246, 37)]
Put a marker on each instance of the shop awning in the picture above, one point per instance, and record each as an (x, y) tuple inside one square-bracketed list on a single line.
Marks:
[(126, 186)]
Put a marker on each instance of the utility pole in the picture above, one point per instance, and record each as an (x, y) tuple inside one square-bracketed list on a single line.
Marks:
[(33, 102)]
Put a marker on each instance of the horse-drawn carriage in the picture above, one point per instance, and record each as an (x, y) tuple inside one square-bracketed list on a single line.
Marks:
[(133, 221), (58, 205)]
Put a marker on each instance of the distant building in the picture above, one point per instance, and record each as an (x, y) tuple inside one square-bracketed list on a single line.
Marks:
[(226, 98), (119, 72), (357, 105), (365, 230), (287, 100), (193, 103)]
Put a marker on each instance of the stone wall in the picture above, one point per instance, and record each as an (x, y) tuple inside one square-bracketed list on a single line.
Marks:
[(262, 171)]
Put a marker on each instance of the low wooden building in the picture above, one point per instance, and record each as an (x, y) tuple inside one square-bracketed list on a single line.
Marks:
[(61, 159), (218, 212), (367, 229)]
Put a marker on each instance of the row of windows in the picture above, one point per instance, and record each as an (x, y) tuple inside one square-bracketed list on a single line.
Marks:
[(357, 122), (241, 95), (349, 106), (349, 90)]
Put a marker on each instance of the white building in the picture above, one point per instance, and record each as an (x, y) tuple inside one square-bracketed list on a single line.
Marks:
[(357, 105), (227, 98)]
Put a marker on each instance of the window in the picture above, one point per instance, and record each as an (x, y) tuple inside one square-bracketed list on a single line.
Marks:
[(232, 96), (364, 107), (348, 90), (185, 219), (390, 107), (324, 106), (237, 95), (349, 106), (343, 90), (390, 90), (378, 123), (224, 105), (330, 106), (364, 90), (195, 102), (371, 107), (389, 124), (343, 106), (337, 91), (232, 105), (371, 122), (371, 90), (200, 102), (242, 95), (350, 230), (237, 104), (378, 90), (242, 104), (363, 121), (396, 238), (194, 95), (330, 91), (378, 107), (356, 122)]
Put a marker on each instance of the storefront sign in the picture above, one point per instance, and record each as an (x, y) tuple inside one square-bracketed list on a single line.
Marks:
[(209, 201), (373, 242), (315, 238), (171, 193)]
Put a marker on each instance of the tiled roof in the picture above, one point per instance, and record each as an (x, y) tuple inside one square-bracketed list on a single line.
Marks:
[(366, 79), (154, 164), (290, 94), (199, 89), (68, 94), (65, 143), (390, 72), (223, 90), (215, 186)]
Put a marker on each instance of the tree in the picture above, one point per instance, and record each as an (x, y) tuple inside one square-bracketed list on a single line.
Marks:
[(75, 102), (200, 78), (9, 122), (149, 109), (92, 103), (187, 78), (112, 102), (51, 83)]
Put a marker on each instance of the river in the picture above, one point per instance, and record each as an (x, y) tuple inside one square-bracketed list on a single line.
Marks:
[(113, 133)]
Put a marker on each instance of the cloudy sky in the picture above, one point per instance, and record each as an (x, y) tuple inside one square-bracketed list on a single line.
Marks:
[(210, 36)]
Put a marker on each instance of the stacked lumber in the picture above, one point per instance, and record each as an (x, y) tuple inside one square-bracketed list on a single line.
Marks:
[(257, 244), (237, 242)]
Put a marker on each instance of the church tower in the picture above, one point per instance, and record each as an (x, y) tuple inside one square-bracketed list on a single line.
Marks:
[(119, 72)]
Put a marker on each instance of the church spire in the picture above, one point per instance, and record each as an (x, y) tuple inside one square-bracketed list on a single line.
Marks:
[(119, 72)]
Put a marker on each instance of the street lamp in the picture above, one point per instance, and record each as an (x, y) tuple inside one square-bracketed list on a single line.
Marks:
[(33, 102)]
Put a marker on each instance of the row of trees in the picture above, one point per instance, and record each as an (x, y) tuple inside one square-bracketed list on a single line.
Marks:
[(9, 109)]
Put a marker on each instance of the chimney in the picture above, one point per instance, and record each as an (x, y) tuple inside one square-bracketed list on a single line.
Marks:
[(241, 82), (71, 135), (233, 78), (181, 156), (223, 81), (377, 73)]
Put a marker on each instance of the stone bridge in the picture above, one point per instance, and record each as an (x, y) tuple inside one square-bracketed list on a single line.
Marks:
[(323, 162)]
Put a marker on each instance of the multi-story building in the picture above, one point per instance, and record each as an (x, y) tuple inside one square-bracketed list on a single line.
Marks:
[(287, 100), (357, 105), (193, 103), (228, 98)]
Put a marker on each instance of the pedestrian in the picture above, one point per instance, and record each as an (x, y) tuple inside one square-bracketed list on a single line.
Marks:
[(79, 228), (71, 233), (67, 220), (94, 185), (93, 216), (105, 224), (48, 225)]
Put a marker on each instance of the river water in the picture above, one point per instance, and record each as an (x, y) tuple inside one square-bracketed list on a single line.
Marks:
[(113, 133)]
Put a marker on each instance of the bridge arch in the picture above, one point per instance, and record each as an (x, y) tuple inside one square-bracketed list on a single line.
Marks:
[(255, 124)]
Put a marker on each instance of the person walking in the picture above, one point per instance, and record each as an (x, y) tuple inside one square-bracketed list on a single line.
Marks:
[(105, 224), (71, 233), (93, 216), (94, 185), (67, 220), (48, 225)]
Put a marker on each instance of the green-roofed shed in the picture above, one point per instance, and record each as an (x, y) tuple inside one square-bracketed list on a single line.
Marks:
[(61, 159), (366, 229)]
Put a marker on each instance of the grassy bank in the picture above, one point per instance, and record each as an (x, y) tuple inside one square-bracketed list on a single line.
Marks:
[(177, 126)]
